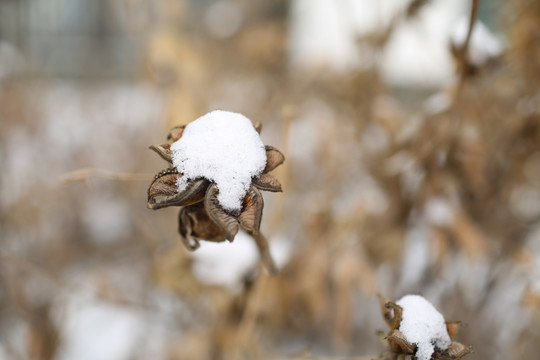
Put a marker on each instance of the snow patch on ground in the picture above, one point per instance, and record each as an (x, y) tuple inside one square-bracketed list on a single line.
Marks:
[(223, 147), (423, 325)]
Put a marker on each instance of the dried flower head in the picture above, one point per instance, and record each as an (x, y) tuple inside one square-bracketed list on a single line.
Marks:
[(218, 169), (418, 331)]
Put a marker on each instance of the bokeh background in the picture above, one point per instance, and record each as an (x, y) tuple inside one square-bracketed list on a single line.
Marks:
[(413, 166)]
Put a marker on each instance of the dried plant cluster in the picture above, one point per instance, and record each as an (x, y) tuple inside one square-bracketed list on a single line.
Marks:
[(388, 190), (202, 217), (402, 349)]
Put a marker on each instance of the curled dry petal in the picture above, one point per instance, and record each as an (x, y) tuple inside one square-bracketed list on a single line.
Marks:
[(267, 182), (392, 312), (274, 158), (227, 223), (185, 228), (163, 185), (386, 310), (164, 192), (194, 225), (176, 133), (455, 351), (251, 215), (452, 327), (164, 151), (399, 343)]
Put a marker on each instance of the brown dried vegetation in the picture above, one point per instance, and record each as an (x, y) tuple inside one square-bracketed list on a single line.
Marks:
[(400, 348), (376, 182)]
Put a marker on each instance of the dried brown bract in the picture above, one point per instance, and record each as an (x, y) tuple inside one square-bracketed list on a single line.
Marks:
[(201, 216), (402, 349)]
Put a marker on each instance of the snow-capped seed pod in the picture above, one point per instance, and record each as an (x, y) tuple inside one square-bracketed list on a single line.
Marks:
[(417, 328), (219, 166)]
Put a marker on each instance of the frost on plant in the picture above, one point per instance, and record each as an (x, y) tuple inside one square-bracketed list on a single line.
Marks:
[(417, 328), (219, 166)]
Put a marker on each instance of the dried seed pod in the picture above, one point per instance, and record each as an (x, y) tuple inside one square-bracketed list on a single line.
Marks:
[(402, 347), (202, 217)]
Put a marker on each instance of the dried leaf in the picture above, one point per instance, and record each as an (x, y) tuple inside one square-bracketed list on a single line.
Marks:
[(227, 223), (163, 192), (176, 133), (399, 344), (455, 351), (164, 151), (194, 224), (453, 327), (251, 215), (274, 158), (267, 182)]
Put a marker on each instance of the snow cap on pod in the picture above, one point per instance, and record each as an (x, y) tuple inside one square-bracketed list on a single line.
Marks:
[(423, 325), (222, 147)]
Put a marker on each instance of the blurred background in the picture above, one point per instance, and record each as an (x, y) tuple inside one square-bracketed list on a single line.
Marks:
[(413, 166)]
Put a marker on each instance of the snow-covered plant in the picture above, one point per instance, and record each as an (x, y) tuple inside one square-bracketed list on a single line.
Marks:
[(418, 329), (219, 164)]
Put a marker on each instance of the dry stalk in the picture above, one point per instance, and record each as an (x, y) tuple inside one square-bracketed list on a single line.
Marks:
[(252, 310), (86, 173), (462, 53)]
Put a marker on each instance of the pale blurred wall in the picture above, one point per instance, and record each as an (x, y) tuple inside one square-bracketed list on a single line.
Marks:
[(71, 37)]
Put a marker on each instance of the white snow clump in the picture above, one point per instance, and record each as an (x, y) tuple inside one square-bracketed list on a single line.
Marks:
[(222, 147), (423, 325)]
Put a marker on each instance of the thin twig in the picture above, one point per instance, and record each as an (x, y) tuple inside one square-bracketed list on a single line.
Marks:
[(84, 174), (247, 325), (472, 20), (464, 50)]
